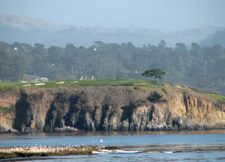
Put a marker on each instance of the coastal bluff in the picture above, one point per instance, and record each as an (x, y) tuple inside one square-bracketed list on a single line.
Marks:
[(108, 108)]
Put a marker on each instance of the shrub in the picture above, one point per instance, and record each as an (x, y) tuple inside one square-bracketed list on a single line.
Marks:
[(154, 97)]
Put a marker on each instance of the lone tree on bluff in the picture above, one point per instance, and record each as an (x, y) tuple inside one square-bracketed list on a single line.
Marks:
[(156, 73)]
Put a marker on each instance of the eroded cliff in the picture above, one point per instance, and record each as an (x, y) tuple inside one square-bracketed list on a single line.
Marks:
[(109, 109)]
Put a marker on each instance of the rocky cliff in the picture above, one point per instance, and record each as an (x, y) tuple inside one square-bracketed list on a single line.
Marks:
[(108, 109)]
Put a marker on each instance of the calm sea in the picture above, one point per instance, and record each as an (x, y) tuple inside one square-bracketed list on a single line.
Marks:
[(138, 139)]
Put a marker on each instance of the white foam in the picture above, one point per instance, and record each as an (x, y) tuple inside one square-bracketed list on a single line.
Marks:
[(168, 152), (126, 151), (98, 152), (104, 151)]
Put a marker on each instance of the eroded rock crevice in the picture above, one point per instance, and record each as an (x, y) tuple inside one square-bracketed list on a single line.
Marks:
[(114, 109)]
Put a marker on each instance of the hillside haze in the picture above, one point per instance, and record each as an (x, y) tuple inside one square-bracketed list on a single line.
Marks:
[(33, 30)]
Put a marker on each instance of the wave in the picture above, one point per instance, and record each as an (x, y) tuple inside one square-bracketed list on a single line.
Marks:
[(105, 151)]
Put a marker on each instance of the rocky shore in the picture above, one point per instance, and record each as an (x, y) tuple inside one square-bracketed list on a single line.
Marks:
[(108, 108), (38, 151), (48, 151)]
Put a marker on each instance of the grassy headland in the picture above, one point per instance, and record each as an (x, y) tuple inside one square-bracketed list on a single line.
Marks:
[(105, 82), (142, 84)]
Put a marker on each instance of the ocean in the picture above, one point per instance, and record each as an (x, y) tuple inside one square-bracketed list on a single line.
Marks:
[(133, 146)]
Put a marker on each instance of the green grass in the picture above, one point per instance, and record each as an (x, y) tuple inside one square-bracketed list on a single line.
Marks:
[(9, 85), (105, 82), (122, 82), (142, 84), (215, 96), (205, 94)]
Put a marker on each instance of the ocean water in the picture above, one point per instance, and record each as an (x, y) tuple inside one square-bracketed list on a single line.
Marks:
[(133, 143)]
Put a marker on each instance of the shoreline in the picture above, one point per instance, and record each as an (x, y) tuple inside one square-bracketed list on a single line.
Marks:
[(44, 151), (47, 152), (86, 133)]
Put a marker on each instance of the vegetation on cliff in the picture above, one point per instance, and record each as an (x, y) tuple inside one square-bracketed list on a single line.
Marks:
[(66, 83), (110, 105), (196, 66), (143, 84)]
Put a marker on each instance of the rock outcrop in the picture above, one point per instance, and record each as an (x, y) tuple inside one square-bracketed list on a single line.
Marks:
[(109, 109)]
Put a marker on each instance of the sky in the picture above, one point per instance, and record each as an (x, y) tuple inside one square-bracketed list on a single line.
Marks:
[(165, 15)]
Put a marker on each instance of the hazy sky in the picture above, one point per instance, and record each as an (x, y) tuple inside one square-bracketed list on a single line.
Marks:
[(153, 14)]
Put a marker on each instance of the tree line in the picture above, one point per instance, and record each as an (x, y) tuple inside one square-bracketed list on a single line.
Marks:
[(196, 66)]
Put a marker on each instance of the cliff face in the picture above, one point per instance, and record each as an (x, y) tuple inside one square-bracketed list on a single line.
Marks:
[(8, 100), (109, 109)]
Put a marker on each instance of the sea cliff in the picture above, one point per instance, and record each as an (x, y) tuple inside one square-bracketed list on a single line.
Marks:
[(108, 108)]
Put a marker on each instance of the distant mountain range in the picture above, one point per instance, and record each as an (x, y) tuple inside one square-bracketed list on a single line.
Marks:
[(218, 37), (32, 30)]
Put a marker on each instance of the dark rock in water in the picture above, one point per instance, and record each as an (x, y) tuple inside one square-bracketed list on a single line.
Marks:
[(66, 129), (177, 123)]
